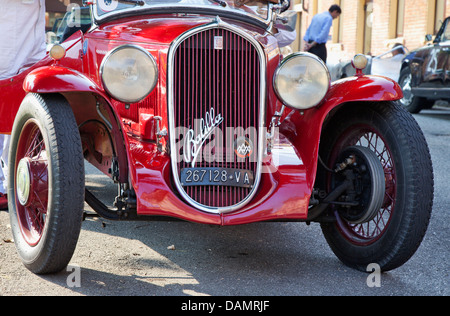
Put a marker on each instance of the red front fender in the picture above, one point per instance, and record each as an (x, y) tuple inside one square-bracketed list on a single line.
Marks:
[(58, 79), (363, 88)]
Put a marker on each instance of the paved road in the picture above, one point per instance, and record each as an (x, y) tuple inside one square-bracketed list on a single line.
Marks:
[(177, 258)]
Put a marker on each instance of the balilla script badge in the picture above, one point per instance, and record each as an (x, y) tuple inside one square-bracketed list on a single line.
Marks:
[(193, 143)]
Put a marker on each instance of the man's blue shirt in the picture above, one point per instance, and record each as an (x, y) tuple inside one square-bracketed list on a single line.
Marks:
[(319, 28)]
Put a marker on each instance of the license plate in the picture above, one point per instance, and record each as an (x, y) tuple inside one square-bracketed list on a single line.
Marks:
[(217, 176)]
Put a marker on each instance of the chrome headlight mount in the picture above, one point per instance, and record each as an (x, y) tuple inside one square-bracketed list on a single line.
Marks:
[(129, 73), (301, 80)]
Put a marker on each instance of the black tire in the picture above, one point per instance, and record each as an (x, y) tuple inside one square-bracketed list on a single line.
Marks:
[(45, 183), (396, 232), (411, 103)]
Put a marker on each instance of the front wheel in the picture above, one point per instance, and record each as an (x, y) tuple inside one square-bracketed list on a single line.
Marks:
[(393, 235), (45, 183)]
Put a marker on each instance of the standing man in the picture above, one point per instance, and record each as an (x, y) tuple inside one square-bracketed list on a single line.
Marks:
[(22, 43), (316, 35)]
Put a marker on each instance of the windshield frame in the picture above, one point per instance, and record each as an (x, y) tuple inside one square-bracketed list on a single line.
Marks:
[(212, 10)]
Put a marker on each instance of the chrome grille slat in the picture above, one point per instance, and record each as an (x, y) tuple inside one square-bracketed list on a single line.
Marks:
[(227, 80)]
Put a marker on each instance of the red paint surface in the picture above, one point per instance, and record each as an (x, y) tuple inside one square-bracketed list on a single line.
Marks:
[(283, 193)]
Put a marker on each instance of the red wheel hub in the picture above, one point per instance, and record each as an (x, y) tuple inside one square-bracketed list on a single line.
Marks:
[(31, 183)]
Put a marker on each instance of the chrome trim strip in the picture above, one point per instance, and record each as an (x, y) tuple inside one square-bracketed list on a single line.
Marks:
[(217, 23), (158, 8)]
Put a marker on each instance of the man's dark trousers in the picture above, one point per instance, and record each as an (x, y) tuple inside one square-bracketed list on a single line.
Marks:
[(319, 50)]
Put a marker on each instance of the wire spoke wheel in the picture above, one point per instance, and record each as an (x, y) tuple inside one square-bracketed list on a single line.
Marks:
[(368, 232), (393, 234), (32, 183), (45, 183)]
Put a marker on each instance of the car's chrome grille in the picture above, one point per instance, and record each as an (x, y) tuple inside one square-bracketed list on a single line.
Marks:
[(216, 89)]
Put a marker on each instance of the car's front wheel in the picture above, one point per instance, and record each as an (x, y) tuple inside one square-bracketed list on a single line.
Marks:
[(391, 235), (45, 183)]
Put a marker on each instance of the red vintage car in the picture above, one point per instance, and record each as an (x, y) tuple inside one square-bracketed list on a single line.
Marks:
[(189, 107)]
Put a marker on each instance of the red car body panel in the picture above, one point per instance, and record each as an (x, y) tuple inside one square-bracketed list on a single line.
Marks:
[(283, 193), (12, 94), (58, 79)]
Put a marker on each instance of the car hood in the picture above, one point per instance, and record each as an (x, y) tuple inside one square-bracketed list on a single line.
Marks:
[(159, 29)]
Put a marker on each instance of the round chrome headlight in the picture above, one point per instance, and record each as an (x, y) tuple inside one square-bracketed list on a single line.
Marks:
[(360, 61), (301, 80), (129, 73)]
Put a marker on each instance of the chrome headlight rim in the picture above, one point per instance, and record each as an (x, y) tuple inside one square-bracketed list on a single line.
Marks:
[(284, 62), (359, 62), (109, 55)]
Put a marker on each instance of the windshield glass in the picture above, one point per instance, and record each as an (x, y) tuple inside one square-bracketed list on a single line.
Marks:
[(253, 8)]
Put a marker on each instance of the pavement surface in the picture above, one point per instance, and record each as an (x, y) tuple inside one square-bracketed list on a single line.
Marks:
[(263, 259)]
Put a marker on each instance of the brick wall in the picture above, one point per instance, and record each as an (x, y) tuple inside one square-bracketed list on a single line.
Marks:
[(349, 17), (380, 26), (415, 27)]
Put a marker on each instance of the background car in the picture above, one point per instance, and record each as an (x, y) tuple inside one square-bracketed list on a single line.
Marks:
[(387, 64), (425, 73)]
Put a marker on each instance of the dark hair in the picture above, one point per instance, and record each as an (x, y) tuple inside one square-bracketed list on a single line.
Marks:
[(335, 7)]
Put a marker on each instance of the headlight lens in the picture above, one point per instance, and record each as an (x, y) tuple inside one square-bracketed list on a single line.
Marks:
[(57, 52), (360, 61), (301, 81), (129, 73)]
